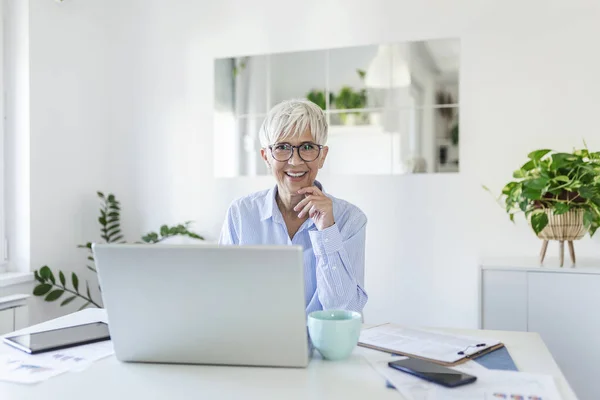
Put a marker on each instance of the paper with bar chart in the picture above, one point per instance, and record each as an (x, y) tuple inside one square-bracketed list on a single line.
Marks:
[(17, 366)]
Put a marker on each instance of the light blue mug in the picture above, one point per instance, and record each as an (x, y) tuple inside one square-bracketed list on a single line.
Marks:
[(334, 332)]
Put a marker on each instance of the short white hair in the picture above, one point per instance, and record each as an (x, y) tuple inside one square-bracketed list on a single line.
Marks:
[(291, 118)]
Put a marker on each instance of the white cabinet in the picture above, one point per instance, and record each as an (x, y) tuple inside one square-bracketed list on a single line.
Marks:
[(561, 304), (13, 313)]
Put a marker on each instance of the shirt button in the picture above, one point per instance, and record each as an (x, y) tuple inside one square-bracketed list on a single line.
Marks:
[(333, 268), (326, 240)]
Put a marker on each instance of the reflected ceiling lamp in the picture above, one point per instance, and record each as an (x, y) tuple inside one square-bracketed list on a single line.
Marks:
[(389, 68)]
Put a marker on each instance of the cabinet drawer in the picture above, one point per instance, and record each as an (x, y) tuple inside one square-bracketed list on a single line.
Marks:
[(7, 319), (504, 300)]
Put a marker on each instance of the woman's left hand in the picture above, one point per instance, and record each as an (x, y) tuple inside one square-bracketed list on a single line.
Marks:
[(318, 206)]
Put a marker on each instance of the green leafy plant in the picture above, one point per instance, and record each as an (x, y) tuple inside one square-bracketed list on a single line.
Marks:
[(348, 99), (318, 97), (454, 134), (556, 181), (239, 65), (110, 232)]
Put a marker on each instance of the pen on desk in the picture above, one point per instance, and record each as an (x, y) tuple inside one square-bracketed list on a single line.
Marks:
[(462, 352)]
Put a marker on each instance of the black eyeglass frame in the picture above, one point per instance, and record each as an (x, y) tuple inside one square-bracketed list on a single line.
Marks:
[(319, 146)]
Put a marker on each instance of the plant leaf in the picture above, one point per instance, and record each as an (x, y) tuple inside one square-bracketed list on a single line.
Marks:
[(588, 218), (116, 239), (84, 306), (75, 281), (113, 226), (67, 300), (91, 268), (532, 194), (42, 289), (528, 166), (54, 295), (538, 154), (45, 272), (561, 208), (523, 205), (539, 222), (38, 277), (562, 178), (586, 192), (113, 233), (536, 184), (518, 174), (87, 287), (164, 230), (559, 160), (61, 276)]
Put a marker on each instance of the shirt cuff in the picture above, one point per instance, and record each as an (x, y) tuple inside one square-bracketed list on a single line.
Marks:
[(327, 241)]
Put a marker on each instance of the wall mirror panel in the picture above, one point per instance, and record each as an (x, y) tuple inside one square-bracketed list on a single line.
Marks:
[(392, 108)]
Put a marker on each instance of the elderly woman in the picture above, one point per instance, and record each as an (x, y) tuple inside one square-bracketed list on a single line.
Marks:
[(297, 211)]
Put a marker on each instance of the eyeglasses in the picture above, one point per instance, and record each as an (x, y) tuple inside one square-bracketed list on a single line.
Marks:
[(307, 151)]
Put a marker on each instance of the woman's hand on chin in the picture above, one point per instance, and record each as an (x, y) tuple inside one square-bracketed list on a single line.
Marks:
[(318, 207)]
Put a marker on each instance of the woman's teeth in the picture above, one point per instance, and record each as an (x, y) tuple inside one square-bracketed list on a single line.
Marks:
[(295, 175)]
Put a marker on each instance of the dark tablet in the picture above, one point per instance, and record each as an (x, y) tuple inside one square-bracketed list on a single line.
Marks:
[(57, 339)]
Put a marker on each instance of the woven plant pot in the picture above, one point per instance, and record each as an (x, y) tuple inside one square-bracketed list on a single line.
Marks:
[(564, 227), (567, 226)]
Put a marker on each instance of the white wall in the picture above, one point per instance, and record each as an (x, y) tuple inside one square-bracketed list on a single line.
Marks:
[(127, 106), (58, 132)]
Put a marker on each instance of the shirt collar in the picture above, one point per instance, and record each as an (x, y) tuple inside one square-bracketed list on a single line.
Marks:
[(269, 207)]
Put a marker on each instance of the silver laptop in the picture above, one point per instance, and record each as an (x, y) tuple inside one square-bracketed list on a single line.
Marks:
[(205, 304)]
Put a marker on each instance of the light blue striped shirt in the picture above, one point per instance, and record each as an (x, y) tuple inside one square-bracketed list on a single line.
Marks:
[(334, 258)]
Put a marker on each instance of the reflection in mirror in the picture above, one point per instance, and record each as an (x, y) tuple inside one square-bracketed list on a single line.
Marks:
[(392, 108)]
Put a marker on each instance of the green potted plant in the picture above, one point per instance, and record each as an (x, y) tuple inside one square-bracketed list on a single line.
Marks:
[(318, 97), (348, 99), (52, 287), (559, 193)]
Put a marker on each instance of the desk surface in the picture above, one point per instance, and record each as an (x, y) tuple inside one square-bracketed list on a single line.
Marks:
[(350, 379)]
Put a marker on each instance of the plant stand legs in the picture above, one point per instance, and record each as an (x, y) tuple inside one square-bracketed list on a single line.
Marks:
[(572, 252), (543, 251), (561, 248)]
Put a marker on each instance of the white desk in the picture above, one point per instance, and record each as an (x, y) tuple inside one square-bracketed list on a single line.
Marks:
[(108, 379)]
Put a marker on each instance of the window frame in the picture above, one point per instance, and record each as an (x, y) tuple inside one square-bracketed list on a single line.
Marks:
[(3, 242)]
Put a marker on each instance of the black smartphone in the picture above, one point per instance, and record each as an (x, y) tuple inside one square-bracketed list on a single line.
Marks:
[(432, 372), (56, 339)]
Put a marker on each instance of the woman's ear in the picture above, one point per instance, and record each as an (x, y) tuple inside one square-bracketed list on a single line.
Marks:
[(323, 156), (264, 156)]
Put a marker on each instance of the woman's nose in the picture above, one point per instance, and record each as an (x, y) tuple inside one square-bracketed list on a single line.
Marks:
[(295, 159)]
